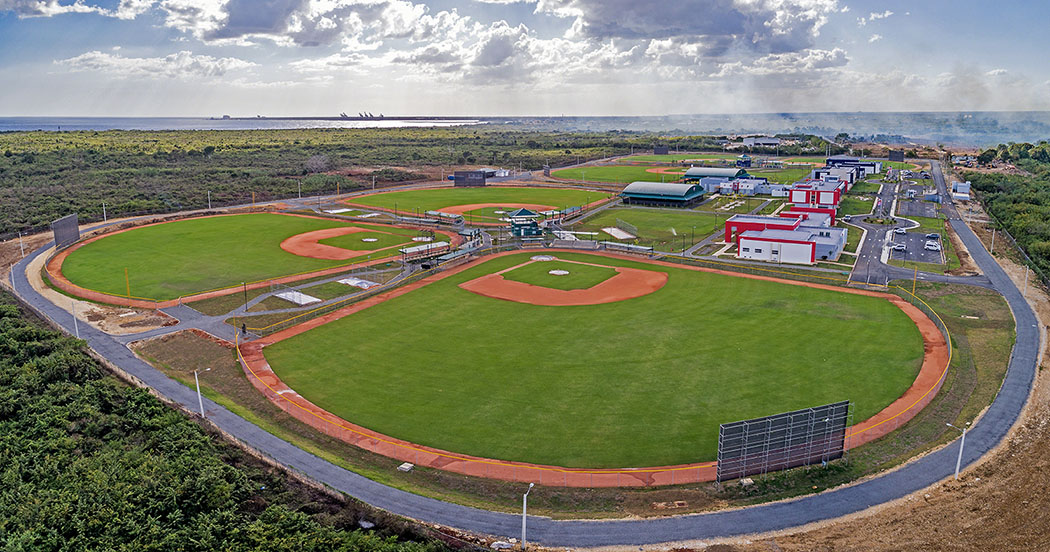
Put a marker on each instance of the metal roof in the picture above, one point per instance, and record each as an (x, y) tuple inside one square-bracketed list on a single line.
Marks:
[(699, 172), (423, 248), (674, 189)]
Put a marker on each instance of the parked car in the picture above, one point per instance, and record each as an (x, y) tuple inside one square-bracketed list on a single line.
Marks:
[(924, 174), (847, 218), (899, 247), (898, 230), (932, 246), (933, 236)]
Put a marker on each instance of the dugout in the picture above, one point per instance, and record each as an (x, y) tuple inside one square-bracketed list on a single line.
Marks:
[(663, 194)]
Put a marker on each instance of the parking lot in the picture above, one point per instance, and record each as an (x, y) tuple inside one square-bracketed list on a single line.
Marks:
[(915, 208), (916, 252)]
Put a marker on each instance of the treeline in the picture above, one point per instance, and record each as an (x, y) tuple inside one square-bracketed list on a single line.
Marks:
[(1021, 203), (88, 463), (1015, 152)]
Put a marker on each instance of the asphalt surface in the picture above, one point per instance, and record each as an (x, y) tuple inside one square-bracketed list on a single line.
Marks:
[(925, 471)]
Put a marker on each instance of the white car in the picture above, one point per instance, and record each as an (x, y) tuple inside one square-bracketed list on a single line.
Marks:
[(899, 247), (932, 246), (898, 231)]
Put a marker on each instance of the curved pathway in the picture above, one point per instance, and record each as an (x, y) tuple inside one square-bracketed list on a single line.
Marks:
[(925, 471)]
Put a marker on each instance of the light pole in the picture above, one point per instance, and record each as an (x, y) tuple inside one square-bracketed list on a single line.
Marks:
[(21, 245), (209, 200), (104, 219), (200, 401), (962, 443), (524, 507), (76, 326)]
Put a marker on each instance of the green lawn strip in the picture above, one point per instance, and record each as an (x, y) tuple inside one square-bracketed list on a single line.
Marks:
[(781, 176), (633, 394), (855, 206), (440, 198), (665, 229), (770, 208), (853, 235), (167, 260), (580, 276), (864, 187)]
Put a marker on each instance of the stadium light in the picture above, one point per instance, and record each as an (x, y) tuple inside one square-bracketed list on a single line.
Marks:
[(962, 443), (524, 507)]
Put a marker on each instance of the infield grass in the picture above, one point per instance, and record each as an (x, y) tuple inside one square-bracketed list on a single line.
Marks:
[(171, 259), (440, 198), (641, 382), (385, 237), (580, 276)]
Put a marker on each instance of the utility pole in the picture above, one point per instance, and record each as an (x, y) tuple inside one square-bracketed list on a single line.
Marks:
[(374, 180), (209, 200), (104, 219), (962, 443), (21, 245), (76, 325)]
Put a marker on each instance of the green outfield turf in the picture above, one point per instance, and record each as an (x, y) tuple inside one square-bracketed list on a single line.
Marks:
[(386, 237), (621, 174), (167, 260), (641, 382), (440, 198), (580, 276), (664, 229), (676, 157)]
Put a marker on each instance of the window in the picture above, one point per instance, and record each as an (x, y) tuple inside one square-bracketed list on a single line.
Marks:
[(757, 250), (747, 249)]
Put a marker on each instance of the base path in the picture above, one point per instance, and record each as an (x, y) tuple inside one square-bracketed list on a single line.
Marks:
[(463, 209), (262, 376)]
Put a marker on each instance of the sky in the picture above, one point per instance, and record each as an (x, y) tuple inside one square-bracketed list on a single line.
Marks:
[(146, 58)]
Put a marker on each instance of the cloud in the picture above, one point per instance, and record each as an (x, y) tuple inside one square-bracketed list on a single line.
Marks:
[(875, 38), (46, 8), (875, 16), (178, 65)]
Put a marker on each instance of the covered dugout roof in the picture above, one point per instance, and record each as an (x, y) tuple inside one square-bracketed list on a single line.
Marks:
[(675, 191), (701, 172)]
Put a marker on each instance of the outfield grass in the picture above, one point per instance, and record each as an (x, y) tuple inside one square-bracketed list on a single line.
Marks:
[(624, 174), (664, 229), (746, 205), (440, 198), (639, 382), (675, 157), (781, 176), (580, 276), (165, 261)]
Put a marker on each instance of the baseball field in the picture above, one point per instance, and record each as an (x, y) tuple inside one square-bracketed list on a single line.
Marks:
[(643, 381), (479, 203), (165, 261)]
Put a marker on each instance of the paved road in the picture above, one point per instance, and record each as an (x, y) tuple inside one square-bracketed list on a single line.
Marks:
[(919, 474)]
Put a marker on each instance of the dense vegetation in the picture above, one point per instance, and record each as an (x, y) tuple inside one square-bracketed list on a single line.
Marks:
[(1021, 203), (44, 175), (90, 464)]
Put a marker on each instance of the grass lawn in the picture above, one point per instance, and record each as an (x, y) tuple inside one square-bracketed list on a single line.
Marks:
[(632, 383), (617, 173), (853, 235), (781, 176), (167, 260), (865, 187), (665, 229), (439, 198), (580, 276), (855, 206), (716, 204)]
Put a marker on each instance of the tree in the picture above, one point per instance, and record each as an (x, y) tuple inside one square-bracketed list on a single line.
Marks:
[(987, 156), (316, 164)]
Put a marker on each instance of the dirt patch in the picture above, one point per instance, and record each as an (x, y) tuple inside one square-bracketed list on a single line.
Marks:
[(462, 209), (966, 265), (308, 244)]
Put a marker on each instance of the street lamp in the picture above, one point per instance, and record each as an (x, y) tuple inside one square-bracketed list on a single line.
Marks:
[(524, 506), (962, 443), (200, 402)]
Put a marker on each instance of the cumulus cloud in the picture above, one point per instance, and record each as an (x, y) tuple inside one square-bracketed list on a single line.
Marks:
[(178, 65), (874, 38), (46, 8)]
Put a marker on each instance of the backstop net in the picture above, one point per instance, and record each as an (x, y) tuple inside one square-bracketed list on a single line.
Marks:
[(627, 227)]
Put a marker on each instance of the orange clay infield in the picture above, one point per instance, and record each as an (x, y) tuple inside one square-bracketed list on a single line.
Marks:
[(258, 371), (297, 245)]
